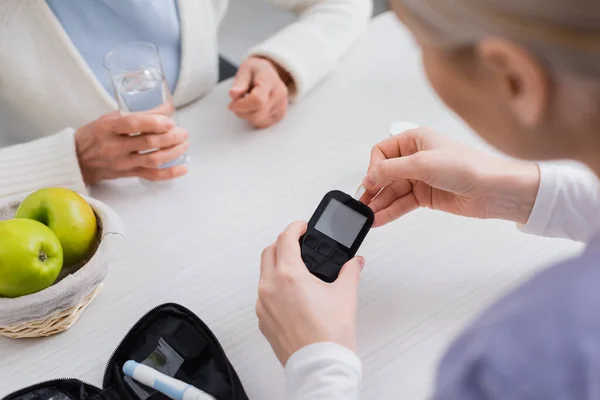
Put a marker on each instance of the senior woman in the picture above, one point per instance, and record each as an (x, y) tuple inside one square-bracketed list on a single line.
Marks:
[(52, 77), (524, 74)]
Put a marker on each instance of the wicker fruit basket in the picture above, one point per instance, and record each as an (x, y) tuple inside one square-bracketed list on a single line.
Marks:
[(56, 308)]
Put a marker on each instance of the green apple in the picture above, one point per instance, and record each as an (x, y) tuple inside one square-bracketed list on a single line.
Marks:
[(31, 257), (68, 215)]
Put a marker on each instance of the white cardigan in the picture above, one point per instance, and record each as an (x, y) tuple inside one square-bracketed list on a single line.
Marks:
[(46, 86)]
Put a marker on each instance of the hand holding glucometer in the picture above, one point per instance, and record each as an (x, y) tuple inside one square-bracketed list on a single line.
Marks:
[(334, 234)]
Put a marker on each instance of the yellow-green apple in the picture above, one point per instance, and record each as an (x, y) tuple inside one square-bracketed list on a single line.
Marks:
[(31, 257), (68, 215)]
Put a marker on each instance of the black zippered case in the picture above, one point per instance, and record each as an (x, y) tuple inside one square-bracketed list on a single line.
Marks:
[(170, 337)]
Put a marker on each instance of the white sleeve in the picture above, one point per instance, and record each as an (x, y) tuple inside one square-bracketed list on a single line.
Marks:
[(311, 47), (47, 162), (567, 204), (323, 371)]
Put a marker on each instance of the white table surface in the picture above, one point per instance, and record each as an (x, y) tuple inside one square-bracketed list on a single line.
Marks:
[(199, 242)]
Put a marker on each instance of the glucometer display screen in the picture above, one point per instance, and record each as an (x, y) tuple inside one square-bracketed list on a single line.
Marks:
[(341, 223)]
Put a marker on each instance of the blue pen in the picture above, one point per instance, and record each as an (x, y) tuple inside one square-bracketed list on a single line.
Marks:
[(171, 387)]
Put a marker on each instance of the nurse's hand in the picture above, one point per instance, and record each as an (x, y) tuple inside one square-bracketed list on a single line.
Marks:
[(422, 169), (259, 93), (106, 150), (296, 309)]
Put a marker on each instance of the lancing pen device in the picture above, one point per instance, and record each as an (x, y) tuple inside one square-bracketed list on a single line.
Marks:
[(170, 387)]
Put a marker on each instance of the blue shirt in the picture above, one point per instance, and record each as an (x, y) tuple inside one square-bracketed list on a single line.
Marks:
[(97, 26), (542, 342)]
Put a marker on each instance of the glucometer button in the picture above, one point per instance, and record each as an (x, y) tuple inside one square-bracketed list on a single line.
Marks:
[(330, 270), (310, 262), (338, 257), (311, 242), (324, 249)]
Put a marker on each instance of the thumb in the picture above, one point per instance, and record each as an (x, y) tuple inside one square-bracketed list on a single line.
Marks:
[(350, 274), (419, 166), (241, 82)]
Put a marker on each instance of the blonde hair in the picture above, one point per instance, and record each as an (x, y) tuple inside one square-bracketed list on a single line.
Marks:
[(564, 34)]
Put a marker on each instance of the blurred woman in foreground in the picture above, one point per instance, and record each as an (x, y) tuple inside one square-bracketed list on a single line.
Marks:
[(524, 74)]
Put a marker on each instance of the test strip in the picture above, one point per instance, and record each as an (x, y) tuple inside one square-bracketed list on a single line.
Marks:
[(359, 193)]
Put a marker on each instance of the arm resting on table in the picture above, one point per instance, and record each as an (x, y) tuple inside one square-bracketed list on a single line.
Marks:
[(567, 204), (48, 162), (323, 371), (310, 48)]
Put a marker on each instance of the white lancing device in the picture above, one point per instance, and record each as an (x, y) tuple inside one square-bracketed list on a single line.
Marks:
[(171, 387)]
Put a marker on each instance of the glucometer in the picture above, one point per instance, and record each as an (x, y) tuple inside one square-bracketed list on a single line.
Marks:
[(335, 232)]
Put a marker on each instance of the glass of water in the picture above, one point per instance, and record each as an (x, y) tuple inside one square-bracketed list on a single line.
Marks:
[(139, 83)]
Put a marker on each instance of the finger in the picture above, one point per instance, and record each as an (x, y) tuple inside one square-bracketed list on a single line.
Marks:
[(167, 108), (277, 103), (275, 111), (268, 261), (350, 274), (135, 123), (276, 117), (260, 313), (258, 119), (157, 158), (280, 97), (401, 145), (112, 114), (419, 166), (279, 109), (368, 196), (262, 120), (265, 121), (408, 143), (385, 150), (249, 116), (389, 194), (382, 151), (256, 100), (288, 244), (383, 199), (147, 141), (158, 174), (397, 209), (242, 82)]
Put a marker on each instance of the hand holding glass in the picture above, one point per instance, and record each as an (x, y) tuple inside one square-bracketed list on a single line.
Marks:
[(140, 86)]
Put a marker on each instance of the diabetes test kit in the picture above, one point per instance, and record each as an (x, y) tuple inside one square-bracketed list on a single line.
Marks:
[(169, 339), (335, 232), (173, 342)]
